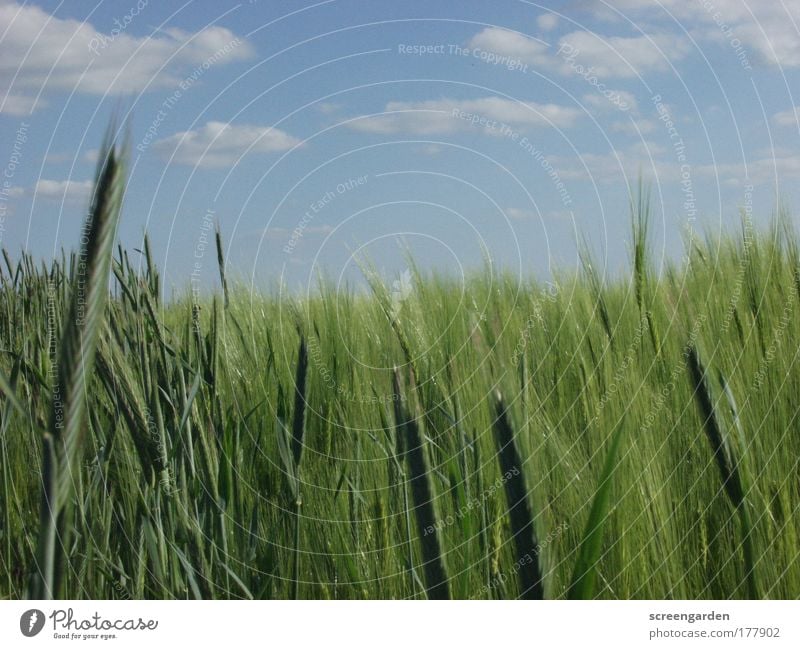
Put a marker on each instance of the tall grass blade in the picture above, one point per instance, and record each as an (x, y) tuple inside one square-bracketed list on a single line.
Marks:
[(436, 581), (727, 463), (585, 570), (523, 530), (299, 413)]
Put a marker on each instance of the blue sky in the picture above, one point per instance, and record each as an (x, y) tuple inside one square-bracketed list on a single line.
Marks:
[(316, 133)]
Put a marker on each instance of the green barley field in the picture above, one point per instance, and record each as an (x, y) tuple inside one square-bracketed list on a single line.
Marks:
[(582, 438)]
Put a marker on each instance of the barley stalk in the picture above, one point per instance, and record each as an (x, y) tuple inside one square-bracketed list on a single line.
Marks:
[(523, 531), (585, 570), (75, 364), (436, 582), (727, 462)]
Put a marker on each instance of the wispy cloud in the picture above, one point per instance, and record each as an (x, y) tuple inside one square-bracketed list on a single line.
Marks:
[(608, 56), (443, 116), (789, 117), (521, 214), (70, 191), (767, 29), (620, 56), (643, 158), (42, 52), (547, 22), (759, 171), (219, 144), (602, 103), (328, 107), (635, 127), (510, 43)]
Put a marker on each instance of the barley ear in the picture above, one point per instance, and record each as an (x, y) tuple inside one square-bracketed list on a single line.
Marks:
[(89, 285), (221, 265)]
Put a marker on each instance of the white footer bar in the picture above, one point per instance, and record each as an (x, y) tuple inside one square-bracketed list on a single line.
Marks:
[(388, 625)]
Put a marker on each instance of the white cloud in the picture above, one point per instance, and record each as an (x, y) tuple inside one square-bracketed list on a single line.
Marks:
[(71, 191), (608, 56), (509, 43), (547, 22), (643, 158), (787, 117), (520, 214), (328, 107), (761, 171), (53, 157), (620, 56), (612, 100), (58, 157), (442, 116), (430, 149), (16, 104), (274, 232), (769, 30), (318, 229), (41, 52), (218, 144), (654, 162), (636, 127)]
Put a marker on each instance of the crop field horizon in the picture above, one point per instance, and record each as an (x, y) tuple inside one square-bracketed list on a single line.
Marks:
[(491, 438)]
